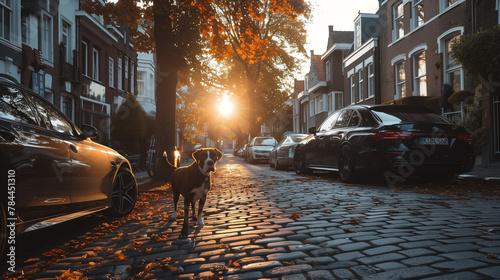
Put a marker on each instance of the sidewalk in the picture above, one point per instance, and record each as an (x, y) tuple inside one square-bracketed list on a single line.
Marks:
[(489, 173)]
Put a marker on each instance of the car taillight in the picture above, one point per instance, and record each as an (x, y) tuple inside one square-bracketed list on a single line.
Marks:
[(464, 137), (391, 135)]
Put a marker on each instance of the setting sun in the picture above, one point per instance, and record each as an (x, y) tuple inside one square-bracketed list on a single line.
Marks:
[(226, 107)]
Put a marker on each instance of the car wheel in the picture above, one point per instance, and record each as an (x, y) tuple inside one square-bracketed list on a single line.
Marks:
[(124, 194), (278, 166), (250, 159), (271, 165), (3, 231), (299, 164), (346, 164)]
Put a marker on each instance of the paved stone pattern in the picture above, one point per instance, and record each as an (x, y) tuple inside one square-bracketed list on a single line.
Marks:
[(267, 224)]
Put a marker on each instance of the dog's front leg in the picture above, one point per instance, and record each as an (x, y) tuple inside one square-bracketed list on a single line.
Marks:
[(184, 231), (203, 199)]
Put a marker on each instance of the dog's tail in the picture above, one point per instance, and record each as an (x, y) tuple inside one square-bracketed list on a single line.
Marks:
[(170, 166)]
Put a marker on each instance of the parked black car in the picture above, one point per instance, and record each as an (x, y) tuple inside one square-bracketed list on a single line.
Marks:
[(395, 140), (282, 155), (50, 170)]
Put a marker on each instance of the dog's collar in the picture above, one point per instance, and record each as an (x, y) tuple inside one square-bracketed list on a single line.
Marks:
[(203, 176)]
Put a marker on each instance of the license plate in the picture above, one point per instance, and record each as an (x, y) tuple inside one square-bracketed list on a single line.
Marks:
[(433, 141)]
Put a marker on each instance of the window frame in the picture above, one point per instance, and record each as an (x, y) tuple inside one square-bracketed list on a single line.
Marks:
[(351, 88), (371, 79), (360, 85), (68, 38), (327, 71), (68, 99), (418, 21), (400, 85), (95, 64), (3, 7), (451, 70), (120, 73), (111, 71), (141, 82), (397, 19), (85, 59), (132, 77), (47, 37), (417, 77)]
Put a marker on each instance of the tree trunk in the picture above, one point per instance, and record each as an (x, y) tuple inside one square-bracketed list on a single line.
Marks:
[(166, 83)]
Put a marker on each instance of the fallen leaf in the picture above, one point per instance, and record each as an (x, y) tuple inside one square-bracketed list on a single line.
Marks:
[(492, 256), (295, 216), (120, 258)]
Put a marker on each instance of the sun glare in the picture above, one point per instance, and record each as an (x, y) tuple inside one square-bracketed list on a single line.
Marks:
[(226, 107)]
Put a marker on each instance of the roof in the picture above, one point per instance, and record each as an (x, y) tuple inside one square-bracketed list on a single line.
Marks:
[(336, 37)]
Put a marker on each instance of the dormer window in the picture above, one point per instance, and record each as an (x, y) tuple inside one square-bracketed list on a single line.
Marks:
[(357, 31)]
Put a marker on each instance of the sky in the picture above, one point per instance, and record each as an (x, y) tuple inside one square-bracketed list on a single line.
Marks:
[(340, 14)]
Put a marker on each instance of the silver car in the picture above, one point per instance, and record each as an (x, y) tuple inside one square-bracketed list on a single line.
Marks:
[(259, 149)]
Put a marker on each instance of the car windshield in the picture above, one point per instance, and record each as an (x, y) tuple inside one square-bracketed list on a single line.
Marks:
[(264, 142), (389, 117)]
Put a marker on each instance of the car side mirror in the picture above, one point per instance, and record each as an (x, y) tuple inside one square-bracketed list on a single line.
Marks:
[(90, 131), (312, 130)]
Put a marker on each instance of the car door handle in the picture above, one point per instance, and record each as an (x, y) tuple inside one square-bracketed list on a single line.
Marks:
[(73, 148)]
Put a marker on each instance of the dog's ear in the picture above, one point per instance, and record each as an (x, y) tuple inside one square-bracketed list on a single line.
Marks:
[(218, 153), (196, 156)]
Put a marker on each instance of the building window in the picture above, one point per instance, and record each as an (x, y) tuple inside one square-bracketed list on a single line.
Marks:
[(360, 85), (311, 108), (327, 70), (371, 80), (444, 4), (85, 59), (67, 106), (141, 82), (132, 77), (5, 19), (357, 31), (25, 28), (111, 72), (120, 74), (126, 68), (319, 104), (95, 64), (418, 13), (452, 68), (351, 82), (398, 21), (339, 100), (304, 113), (47, 38), (419, 72), (330, 103), (66, 39), (400, 80)]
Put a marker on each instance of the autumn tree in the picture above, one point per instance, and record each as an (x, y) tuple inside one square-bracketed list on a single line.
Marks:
[(184, 32), (130, 125)]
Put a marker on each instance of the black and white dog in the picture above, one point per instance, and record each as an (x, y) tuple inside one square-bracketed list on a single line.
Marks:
[(193, 183)]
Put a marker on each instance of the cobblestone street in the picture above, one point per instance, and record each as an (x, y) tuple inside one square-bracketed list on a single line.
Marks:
[(262, 223)]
